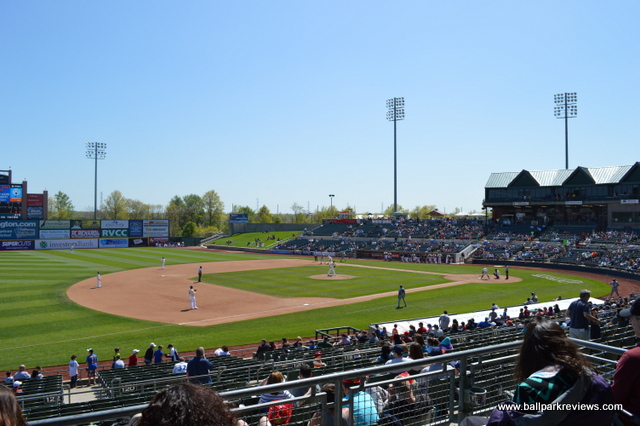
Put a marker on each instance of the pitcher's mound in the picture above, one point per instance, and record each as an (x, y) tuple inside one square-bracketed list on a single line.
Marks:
[(334, 277)]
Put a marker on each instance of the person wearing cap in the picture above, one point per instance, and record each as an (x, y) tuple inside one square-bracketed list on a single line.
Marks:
[(92, 366), (365, 412), (580, 313), (73, 371), (173, 353), (486, 323), (398, 358), (614, 288), (148, 355), (317, 360), (133, 358), (626, 379), (401, 295)]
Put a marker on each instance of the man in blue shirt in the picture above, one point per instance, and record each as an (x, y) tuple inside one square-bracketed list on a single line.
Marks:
[(199, 366), (579, 312), (365, 412), (92, 366)]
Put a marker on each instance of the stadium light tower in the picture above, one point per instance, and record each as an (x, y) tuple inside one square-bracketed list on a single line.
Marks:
[(395, 112), (331, 200), (96, 151), (566, 107)]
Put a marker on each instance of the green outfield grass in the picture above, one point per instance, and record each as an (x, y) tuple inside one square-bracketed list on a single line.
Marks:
[(241, 240), (41, 326)]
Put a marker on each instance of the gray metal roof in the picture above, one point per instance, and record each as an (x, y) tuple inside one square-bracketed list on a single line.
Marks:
[(601, 175), (501, 180)]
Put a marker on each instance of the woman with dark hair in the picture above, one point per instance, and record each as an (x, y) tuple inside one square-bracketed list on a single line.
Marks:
[(187, 404), (385, 354), (552, 371), (10, 412), (416, 352)]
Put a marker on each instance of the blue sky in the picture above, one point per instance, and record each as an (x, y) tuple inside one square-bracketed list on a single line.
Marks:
[(284, 102)]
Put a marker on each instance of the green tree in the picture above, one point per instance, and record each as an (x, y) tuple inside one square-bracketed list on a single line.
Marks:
[(136, 209), (189, 229), (61, 207), (115, 207), (194, 209), (176, 215), (213, 209), (389, 210), (298, 213), (264, 215), (422, 212)]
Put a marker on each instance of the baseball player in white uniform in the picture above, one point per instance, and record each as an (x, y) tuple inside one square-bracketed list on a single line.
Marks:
[(162, 263), (192, 297), (98, 280), (332, 268)]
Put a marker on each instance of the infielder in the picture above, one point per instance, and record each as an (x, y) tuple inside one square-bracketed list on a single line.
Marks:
[(200, 274), (162, 263), (192, 297), (98, 280), (614, 288)]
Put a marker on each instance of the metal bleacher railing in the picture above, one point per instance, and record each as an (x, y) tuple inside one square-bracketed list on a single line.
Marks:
[(485, 374)]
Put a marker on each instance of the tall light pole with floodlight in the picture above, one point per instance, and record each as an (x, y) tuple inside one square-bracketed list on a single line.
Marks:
[(96, 151), (331, 200), (566, 107), (395, 112)]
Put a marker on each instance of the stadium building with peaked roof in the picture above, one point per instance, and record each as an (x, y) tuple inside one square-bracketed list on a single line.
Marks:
[(602, 197)]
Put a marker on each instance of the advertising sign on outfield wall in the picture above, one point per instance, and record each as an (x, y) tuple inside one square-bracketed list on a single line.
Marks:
[(155, 240), (17, 245), (114, 243), (82, 233), (63, 234), (238, 218), (55, 224), (18, 229), (135, 228), (35, 212), (65, 244), (85, 224), (35, 200), (138, 242), (108, 233), (114, 224), (156, 228)]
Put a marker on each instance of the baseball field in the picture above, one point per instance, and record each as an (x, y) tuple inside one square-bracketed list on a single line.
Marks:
[(52, 309)]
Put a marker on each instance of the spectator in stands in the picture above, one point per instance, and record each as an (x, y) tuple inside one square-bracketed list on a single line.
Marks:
[(10, 411), (443, 321), (365, 412), (187, 405), (385, 354), (406, 337), (173, 353), (534, 298), (579, 312), (528, 302), (284, 345), (552, 370), (421, 329), (433, 347), (304, 372), (264, 347), (223, 351), (36, 374), (9, 378), (148, 355), (344, 340), (445, 343), (199, 366), (133, 358), (626, 379), (416, 352), (316, 420), (92, 367), (22, 373), (158, 355), (398, 358), (180, 367), (325, 343), (116, 352), (118, 363), (404, 403), (486, 323), (437, 332), (275, 377)]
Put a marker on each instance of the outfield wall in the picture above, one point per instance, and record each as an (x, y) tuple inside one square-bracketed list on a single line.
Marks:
[(67, 234)]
